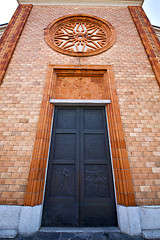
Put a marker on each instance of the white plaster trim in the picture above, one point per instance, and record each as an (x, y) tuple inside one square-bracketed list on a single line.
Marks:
[(111, 158), (119, 3), (73, 102), (48, 157)]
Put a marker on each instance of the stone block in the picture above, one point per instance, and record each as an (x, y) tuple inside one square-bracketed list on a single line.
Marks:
[(128, 220), (7, 233), (150, 217), (30, 220), (9, 216)]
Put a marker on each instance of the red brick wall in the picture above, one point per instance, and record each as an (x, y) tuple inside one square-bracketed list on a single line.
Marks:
[(22, 90)]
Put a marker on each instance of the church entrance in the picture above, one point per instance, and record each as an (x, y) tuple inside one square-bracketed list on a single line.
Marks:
[(79, 188)]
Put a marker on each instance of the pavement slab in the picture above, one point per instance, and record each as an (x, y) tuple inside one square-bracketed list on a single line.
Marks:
[(78, 236), (122, 236)]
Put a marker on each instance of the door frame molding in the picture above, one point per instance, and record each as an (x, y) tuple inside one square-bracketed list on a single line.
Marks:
[(122, 174)]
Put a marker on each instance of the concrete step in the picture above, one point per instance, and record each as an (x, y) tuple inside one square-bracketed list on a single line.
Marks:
[(151, 234), (79, 229)]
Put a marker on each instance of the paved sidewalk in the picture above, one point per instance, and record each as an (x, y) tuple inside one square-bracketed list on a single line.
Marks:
[(78, 236)]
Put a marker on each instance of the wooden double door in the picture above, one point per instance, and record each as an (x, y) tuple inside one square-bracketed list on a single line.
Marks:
[(79, 187)]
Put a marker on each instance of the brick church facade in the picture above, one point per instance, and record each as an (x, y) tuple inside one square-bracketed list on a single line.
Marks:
[(110, 62)]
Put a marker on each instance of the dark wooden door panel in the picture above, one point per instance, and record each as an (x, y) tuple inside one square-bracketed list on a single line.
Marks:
[(64, 146), (61, 206), (96, 183), (97, 203), (92, 119), (79, 189), (94, 144), (62, 181)]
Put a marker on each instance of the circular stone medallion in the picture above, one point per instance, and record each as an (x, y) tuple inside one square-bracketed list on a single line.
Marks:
[(80, 35)]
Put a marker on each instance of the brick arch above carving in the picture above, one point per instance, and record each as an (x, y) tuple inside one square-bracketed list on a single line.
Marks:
[(80, 35)]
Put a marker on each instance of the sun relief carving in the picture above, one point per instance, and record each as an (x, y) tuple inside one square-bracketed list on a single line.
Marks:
[(80, 35)]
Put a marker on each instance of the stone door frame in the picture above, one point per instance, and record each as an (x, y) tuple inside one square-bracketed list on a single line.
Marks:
[(122, 174)]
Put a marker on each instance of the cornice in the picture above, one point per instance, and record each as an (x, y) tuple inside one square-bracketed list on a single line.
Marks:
[(157, 31), (2, 28), (119, 3)]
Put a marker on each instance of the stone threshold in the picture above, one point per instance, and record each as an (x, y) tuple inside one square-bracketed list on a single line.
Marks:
[(79, 229)]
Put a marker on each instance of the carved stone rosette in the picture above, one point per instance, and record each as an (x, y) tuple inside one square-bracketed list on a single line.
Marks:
[(80, 35)]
